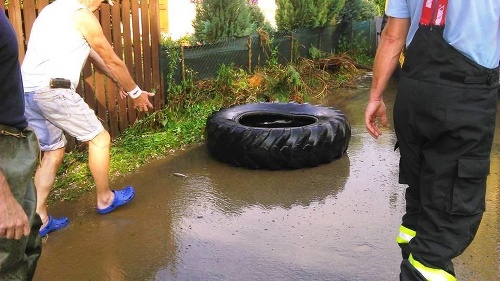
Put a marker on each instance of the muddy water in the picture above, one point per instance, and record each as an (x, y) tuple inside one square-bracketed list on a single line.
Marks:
[(197, 219)]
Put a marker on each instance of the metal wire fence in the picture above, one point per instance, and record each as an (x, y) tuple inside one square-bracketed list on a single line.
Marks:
[(256, 50)]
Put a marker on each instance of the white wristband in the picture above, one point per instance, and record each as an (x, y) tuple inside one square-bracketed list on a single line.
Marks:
[(135, 93)]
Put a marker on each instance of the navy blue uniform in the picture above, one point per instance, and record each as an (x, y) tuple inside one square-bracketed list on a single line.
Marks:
[(11, 85), (19, 153)]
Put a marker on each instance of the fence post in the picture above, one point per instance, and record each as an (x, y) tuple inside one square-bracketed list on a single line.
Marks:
[(249, 54), (320, 34), (183, 65)]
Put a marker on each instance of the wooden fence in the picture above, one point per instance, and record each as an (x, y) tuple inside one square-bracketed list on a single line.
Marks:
[(132, 28)]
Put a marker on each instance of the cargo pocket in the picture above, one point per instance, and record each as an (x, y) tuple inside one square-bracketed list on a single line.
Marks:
[(469, 188)]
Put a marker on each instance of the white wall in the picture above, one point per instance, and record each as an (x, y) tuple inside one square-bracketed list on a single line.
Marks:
[(268, 8), (181, 14)]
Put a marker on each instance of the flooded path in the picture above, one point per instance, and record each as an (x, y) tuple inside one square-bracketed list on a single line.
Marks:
[(197, 219)]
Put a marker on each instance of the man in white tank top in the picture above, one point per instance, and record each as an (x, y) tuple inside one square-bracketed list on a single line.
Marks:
[(65, 34)]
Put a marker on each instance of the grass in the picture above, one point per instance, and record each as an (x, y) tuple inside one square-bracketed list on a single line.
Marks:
[(182, 122), (133, 148)]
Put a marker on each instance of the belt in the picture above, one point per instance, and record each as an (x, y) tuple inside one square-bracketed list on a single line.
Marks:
[(488, 79), (11, 131)]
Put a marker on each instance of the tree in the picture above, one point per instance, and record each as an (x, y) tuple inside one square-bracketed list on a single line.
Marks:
[(298, 14), (381, 6), (359, 10), (222, 19)]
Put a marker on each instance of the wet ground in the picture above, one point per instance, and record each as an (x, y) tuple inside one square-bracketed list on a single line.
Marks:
[(197, 219)]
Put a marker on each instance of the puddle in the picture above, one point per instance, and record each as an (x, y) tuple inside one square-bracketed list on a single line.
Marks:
[(197, 219)]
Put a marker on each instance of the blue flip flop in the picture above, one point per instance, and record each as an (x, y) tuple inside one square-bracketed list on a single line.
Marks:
[(122, 197), (54, 224)]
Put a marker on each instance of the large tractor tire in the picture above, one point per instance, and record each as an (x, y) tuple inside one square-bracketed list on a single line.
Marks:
[(277, 135)]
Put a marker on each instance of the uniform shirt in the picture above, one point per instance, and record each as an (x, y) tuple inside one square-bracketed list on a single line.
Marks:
[(11, 84), (472, 26), (56, 49)]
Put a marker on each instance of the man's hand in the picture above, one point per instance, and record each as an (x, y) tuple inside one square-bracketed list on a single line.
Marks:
[(123, 93), (14, 223), (142, 102), (375, 109)]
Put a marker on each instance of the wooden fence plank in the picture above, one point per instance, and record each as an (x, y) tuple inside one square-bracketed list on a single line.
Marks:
[(88, 86), (155, 56), (29, 13), (100, 94), (146, 65), (42, 4), (121, 104), (17, 22), (137, 52), (127, 58)]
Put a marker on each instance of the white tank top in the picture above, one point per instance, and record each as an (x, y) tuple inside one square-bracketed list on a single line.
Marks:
[(55, 48)]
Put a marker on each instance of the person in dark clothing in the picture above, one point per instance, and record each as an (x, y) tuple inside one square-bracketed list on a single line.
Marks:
[(444, 119), (20, 245)]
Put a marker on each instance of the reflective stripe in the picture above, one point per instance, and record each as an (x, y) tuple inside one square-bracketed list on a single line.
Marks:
[(431, 274), (405, 235), (401, 58)]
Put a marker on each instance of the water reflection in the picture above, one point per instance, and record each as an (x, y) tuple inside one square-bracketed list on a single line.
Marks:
[(302, 224), (269, 189)]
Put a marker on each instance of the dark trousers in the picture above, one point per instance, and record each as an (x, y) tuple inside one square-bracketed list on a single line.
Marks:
[(18, 159), (445, 135)]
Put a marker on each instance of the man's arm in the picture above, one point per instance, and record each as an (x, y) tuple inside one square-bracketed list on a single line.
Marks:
[(89, 26), (98, 62), (392, 42), (14, 223)]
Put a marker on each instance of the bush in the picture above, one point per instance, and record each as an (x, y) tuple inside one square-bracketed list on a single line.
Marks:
[(359, 10), (302, 14), (381, 6), (218, 20)]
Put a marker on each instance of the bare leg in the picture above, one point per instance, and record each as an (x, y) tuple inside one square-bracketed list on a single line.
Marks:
[(44, 180), (99, 167)]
